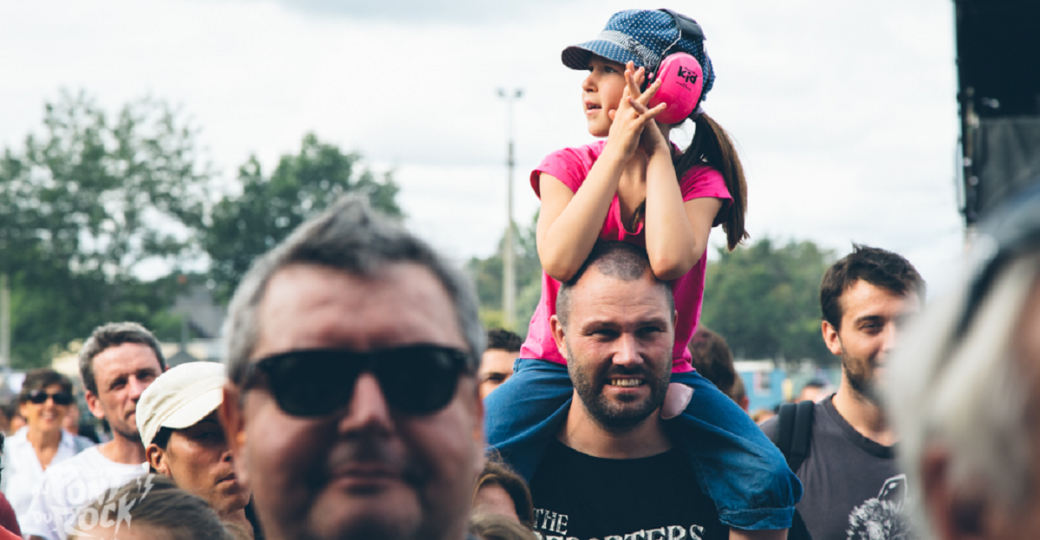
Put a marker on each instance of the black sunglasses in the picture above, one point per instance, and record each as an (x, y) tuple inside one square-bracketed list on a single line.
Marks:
[(415, 379), (40, 397)]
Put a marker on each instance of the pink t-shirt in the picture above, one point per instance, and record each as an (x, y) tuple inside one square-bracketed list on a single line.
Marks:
[(571, 166)]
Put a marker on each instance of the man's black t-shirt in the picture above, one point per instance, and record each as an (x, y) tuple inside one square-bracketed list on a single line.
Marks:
[(581, 497)]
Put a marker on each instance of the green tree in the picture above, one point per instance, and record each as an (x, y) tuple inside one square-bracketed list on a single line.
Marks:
[(245, 226), (487, 274), (83, 205), (764, 299)]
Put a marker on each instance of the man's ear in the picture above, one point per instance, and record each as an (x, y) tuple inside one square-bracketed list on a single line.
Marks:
[(556, 327), (94, 405), (233, 421), (831, 338), (156, 458)]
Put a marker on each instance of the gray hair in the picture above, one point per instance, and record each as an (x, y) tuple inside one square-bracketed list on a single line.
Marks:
[(351, 237), (969, 392), (114, 335)]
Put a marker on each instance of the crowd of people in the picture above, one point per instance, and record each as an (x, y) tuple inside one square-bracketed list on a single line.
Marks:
[(361, 398)]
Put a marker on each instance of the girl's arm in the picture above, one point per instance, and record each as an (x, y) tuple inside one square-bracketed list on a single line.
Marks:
[(676, 230), (569, 223)]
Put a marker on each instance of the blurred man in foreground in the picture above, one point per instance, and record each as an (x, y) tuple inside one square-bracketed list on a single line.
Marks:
[(965, 390), (352, 406)]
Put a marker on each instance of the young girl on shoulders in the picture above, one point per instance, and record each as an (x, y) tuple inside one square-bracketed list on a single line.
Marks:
[(637, 187)]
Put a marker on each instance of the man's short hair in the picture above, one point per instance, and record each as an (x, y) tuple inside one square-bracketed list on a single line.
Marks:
[(619, 260), (876, 266), (40, 379), (158, 505), (503, 340), (352, 238), (711, 357), (114, 335)]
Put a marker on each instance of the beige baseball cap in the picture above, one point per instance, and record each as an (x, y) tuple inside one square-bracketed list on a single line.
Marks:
[(180, 398)]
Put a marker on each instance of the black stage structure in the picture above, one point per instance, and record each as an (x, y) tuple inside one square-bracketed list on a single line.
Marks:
[(998, 61)]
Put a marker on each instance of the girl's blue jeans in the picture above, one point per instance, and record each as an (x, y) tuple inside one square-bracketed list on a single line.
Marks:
[(735, 463)]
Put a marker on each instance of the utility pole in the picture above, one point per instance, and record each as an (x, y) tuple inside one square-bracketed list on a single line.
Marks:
[(5, 323), (509, 252)]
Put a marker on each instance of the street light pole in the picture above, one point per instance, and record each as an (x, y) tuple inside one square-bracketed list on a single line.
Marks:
[(509, 252)]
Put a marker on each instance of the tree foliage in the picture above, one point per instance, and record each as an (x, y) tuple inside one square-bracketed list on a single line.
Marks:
[(92, 199), (487, 274), (765, 300), (84, 204), (245, 226)]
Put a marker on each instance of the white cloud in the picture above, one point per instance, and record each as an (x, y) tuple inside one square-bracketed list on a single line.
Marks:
[(844, 113)]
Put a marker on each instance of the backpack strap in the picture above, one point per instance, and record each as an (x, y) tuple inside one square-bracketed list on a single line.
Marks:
[(794, 432)]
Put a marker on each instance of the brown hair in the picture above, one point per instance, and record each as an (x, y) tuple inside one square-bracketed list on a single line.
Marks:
[(498, 527), (876, 266), (113, 335), (497, 473), (39, 379), (712, 146), (711, 357), (157, 503)]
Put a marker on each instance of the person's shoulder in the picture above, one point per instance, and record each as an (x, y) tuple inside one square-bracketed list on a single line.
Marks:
[(703, 174), (19, 437), (81, 443), (85, 460), (584, 155), (568, 165), (769, 427)]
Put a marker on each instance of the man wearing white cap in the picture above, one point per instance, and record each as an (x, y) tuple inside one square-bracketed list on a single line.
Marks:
[(183, 439)]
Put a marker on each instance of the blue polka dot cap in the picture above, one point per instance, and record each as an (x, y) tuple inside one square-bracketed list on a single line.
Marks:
[(644, 37)]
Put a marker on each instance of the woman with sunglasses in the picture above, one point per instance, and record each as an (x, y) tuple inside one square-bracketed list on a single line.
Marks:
[(44, 402)]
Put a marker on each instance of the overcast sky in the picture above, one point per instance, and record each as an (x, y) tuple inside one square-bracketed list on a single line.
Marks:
[(844, 113)]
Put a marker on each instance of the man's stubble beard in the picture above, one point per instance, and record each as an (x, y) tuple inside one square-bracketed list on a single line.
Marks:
[(861, 375), (606, 413)]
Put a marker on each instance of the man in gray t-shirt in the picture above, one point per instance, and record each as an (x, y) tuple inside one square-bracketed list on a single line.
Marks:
[(852, 486)]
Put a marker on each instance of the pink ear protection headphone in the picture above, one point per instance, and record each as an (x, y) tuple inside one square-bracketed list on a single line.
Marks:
[(681, 75), (681, 82)]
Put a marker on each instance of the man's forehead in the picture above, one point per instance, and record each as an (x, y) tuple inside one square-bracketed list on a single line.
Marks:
[(311, 306), (124, 359), (596, 291), (863, 298)]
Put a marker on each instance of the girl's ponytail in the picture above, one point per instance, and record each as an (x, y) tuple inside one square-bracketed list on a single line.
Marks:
[(712, 146)]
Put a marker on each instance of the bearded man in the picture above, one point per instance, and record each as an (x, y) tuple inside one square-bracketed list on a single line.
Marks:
[(615, 468), (853, 485)]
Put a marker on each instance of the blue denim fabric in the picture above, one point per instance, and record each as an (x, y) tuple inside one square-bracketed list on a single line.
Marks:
[(741, 470)]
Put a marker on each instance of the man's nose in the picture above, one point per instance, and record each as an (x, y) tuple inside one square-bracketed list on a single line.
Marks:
[(137, 387), (627, 351), (889, 337), (368, 407)]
